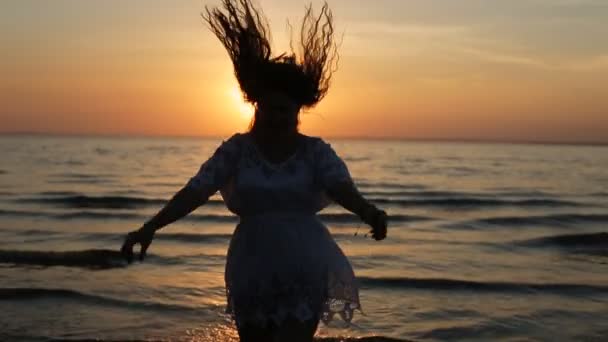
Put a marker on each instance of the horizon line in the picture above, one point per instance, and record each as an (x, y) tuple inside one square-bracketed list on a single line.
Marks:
[(339, 137)]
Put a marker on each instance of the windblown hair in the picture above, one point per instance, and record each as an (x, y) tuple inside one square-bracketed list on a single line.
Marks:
[(303, 75)]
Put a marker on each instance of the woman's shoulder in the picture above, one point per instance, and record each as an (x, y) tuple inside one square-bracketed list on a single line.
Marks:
[(238, 136), (312, 140), (232, 145), (236, 140), (318, 144)]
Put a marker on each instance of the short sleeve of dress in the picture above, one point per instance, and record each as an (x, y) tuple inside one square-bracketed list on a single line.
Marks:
[(218, 169), (330, 168)]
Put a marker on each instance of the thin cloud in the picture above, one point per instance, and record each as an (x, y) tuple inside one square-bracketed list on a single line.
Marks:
[(506, 58), (592, 63)]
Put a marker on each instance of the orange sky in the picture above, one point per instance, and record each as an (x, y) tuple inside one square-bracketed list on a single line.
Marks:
[(519, 70)]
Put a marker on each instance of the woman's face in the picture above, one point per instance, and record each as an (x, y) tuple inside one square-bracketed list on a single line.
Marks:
[(278, 111)]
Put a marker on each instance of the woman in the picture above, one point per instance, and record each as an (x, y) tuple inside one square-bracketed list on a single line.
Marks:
[(284, 272)]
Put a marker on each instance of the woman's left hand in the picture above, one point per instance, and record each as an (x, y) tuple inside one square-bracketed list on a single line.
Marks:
[(141, 236)]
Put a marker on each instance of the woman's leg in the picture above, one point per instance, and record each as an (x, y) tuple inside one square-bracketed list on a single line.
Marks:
[(292, 329), (254, 333)]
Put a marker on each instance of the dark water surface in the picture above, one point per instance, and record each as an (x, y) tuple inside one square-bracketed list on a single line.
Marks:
[(486, 242)]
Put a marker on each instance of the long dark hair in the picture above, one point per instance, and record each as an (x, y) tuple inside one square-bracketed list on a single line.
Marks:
[(304, 75)]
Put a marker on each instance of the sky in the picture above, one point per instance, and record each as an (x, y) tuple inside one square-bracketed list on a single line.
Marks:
[(533, 70)]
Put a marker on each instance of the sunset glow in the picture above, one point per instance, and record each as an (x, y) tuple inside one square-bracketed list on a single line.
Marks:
[(241, 107), (508, 71)]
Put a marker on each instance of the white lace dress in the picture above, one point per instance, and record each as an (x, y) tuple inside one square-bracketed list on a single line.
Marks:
[(282, 261)]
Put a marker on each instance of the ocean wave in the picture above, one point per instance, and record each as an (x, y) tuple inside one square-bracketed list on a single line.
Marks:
[(505, 326), (132, 202), (172, 149), (165, 184), (94, 215), (161, 236), (359, 339), (82, 201), (391, 198), (102, 151), (387, 193), (592, 244), (206, 238), (80, 178), (22, 213), (367, 184), (356, 159), (102, 259), (50, 293), (554, 219), (92, 258), (191, 237), (439, 284), (101, 202), (79, 175), (29, 232), (59, 193), (191, 337), (117, 237), (516, 192), (101, 181), (350, 218), (474, 202), (449, 194), (570, 240)]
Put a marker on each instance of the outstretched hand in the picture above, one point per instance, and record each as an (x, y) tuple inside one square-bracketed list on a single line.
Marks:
[(379, 226), (378, 220), (140, 236)]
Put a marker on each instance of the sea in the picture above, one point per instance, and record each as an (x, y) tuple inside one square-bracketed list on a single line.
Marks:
[(486, 242)]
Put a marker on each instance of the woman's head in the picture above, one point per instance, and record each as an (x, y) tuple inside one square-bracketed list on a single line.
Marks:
[(301, 78), (277, 111)]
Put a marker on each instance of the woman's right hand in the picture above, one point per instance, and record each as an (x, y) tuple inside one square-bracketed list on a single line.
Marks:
[(141, 236), (380, 225), (378, 220)]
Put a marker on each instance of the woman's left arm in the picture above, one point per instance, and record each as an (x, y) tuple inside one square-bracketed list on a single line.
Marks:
[(345, 193)]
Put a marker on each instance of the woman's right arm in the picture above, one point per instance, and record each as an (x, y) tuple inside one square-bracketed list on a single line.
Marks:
[(183, 203), (213, 174)]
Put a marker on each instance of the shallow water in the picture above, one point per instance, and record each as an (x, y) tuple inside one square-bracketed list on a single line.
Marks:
[(486, 241)]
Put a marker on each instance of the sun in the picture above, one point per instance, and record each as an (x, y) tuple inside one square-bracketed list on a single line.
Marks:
[(239, 104)]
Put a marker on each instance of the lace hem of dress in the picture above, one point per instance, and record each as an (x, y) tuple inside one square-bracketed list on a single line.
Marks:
[(302, 311), (273, 304), (345, 309)]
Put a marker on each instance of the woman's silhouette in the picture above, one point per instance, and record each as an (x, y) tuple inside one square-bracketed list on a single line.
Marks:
[(284, 272)]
